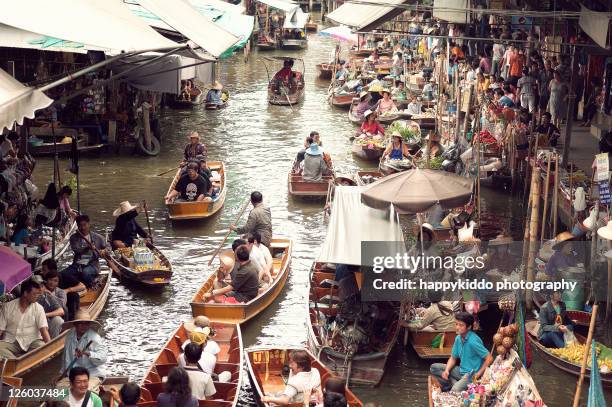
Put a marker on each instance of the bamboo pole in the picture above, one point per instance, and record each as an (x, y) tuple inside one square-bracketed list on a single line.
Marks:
[(555, 200), (585, 357), (533, 235), (546, 192), (571, 190), (246, 203), (527, 223)]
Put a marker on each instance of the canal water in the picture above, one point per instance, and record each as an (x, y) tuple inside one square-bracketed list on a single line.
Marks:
[(258, 142)]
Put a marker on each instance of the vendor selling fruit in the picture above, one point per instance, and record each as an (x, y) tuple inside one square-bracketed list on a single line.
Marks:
[(563, 257), (126, 227), (474, 357), (554, 322), (371, 125)]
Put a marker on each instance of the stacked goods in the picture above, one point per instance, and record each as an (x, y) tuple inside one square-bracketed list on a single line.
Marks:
[(137, 260), (409, 130), (574, 353), (370, 141), (504, 338)]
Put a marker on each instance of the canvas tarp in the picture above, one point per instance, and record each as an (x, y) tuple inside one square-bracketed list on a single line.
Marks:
[(365, 17), (12, 37), (18, 101), (296, 20), (285, 6), (106, 24), (350, 223), (595, 25), (453, 11)]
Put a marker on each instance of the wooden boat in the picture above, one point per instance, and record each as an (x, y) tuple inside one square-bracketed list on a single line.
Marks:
[(293, 43), (342, 100), (325, 70), (366, 52), (432, 384), (308, 189), (365, 369), (93, 301), (229, 339), (283, 98), (388, 166), (580, 318), (367, 177), (45, 145), (565, 365), (60, 247), (266, 371), (365, 153), (216, 106), (197, 97), (199, 210), (238, 313), (388, 118), (121, 262), (421, 343), (7, 384), (352, 117), (311, 26)]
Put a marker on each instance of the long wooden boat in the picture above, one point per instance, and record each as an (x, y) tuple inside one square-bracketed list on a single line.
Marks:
[(365, 153), (308, 189), (311, 26), (365, 369), (7, 384), (343, 100), (229, 339), (199, 210), (47, 148), (565, 365), (352, 117), (197, 97), (281, 250), (326, 70), (388, 118), (216, 106), (264, 44), (421, 343), (292, 43), (366, 52), (266, 371), (93, 301), (282, 98), (580, 318), (368, 176), (121, 262)]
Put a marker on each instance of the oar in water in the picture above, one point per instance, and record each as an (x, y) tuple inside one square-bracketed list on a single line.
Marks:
[(146, 210), (229, 231), (167, 171), (287, 97)]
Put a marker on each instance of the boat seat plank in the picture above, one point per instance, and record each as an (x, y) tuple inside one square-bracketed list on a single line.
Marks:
[(429, 352), (154, 389)]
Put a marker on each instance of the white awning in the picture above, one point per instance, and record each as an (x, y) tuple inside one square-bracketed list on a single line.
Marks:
[(453, 11), (219, 5), (350, 223), (285, 6), (107, 24), (18, 101), (365, 17), (296, 20), (595, 25), (182, 17), (13, 37)]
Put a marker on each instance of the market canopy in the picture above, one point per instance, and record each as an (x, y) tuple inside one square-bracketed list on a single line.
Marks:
[(18, 101), (418, 190), (351, 222), (14, 270), (228, 16), (286, 6), (367, 16), (296, 19), (13, 37), (106, 24)]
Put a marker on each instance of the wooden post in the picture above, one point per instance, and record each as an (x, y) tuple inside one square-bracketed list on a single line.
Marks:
[(571, 190), (555, 200), (533, 235), (478, 179), (147, 125), (546, 192), (585, 357), (458, 98), (527, 224)]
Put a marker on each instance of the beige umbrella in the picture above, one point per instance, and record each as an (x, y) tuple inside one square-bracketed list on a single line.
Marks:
[(417, 190)]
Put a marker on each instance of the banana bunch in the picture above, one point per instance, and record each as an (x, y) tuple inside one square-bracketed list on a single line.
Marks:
[(574, 353)]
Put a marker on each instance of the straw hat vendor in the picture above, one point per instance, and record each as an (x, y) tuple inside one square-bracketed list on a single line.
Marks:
[(397, 149), (554, 322), (499, 256), (371, 125), (439, 316), (85, 348), (428, 89), (126, 228), (214, 93), (363, 105), (563, 256)]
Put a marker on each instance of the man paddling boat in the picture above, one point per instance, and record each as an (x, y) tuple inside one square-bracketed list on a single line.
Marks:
[(260, 220)]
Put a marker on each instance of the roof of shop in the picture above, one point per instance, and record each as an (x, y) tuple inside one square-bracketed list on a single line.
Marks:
[(18, 101), (286, 6), (365, 17)]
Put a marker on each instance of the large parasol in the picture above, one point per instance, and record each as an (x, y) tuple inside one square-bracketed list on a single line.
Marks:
[(341, 33), (417, 190), (13, 270)]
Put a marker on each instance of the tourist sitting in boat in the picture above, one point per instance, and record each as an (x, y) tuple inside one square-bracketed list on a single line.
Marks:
[(64, 286), (474, 357), (297, 167), (371, 125), (208, 358), (85, 264), (386, 105), (549, 130), (262, 258), (415, 106), (80, 394), (194, 148), (244, 285), (127, 396), (397, 149), (304, 380), (214, 94), (46, 212), (22, 229), (260, 220), (52, 307), (563, 256), (191, 187), (186, 88), (23, 325), (363, 105), (177, 392), (126, 228), (439, 316), (399, 91), (342, 71), (63, 197), (314, 166), (554, 322), (429, 89), (201, 383), (84, 348)]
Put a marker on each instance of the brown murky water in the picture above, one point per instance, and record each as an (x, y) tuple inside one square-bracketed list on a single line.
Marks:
[(258, 143)]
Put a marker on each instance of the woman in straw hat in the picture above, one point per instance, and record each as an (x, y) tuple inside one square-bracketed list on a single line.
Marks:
[(126, 227), (84, 348), (194, 148), (214, 94), (371, 125), (397, 149), (563, 257)]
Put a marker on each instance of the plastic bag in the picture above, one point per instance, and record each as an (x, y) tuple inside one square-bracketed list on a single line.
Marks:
[(569, 338)]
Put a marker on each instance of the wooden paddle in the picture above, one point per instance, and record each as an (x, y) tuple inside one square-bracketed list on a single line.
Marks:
[(287, 97), (167, 171), (65, 372), (229, 231), (146, 210)]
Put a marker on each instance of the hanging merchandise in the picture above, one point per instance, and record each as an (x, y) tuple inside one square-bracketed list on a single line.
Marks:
[(95, 100)]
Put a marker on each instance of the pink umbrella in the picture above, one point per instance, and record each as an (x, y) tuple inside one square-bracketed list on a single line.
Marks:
[(13, 269), (341, 33)]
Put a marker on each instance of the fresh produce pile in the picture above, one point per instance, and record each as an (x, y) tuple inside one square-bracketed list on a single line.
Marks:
[(370, 141), (504, 338), (125, 251), (409, 130), (485, 137), (574, 353), (435, 163)]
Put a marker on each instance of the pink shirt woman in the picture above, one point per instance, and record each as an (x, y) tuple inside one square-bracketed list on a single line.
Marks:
[(386, 104)]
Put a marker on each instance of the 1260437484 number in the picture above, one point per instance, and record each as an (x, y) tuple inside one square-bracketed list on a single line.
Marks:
[(33, 393)]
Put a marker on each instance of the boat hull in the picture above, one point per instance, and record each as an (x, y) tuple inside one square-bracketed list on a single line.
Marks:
[(367, 177), (289, 99), (343, 101), (308, 189), (176, 103), (178, 211), (365, 153), (150, 278), (293, 44), (325, 70), (239, 313), (421, 343)]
